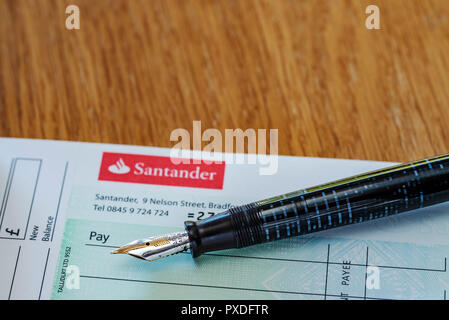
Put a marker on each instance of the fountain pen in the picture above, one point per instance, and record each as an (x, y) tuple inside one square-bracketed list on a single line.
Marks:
[(365, 197)]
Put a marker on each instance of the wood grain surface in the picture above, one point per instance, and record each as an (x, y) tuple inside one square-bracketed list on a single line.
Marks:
[(137, 69)]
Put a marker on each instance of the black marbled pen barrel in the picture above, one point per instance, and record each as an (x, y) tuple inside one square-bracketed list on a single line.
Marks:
[(356, 199)]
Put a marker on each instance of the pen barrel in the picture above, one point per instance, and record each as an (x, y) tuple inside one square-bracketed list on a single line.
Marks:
[(360, 198), (356, 199)]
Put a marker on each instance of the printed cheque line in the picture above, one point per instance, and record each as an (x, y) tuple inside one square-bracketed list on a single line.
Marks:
[(221, 287), (298, 260)]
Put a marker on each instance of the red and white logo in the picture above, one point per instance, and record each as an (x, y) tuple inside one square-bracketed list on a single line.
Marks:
[(119, 167), (122, 167)]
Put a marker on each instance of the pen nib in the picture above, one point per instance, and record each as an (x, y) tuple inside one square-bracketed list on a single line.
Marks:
[(154, 248), (128, 247)]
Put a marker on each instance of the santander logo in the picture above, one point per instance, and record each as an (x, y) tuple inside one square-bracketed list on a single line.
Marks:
[(119, 167), (144, 169)]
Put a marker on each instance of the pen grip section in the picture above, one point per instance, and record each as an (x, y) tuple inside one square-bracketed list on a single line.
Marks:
[(236, 228), (215, 233)]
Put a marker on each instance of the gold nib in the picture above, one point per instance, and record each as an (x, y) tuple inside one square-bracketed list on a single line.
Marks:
[(139, 244), (153, 248)]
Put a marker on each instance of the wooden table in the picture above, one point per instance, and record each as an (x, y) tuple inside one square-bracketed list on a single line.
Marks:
[(136, 70)]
